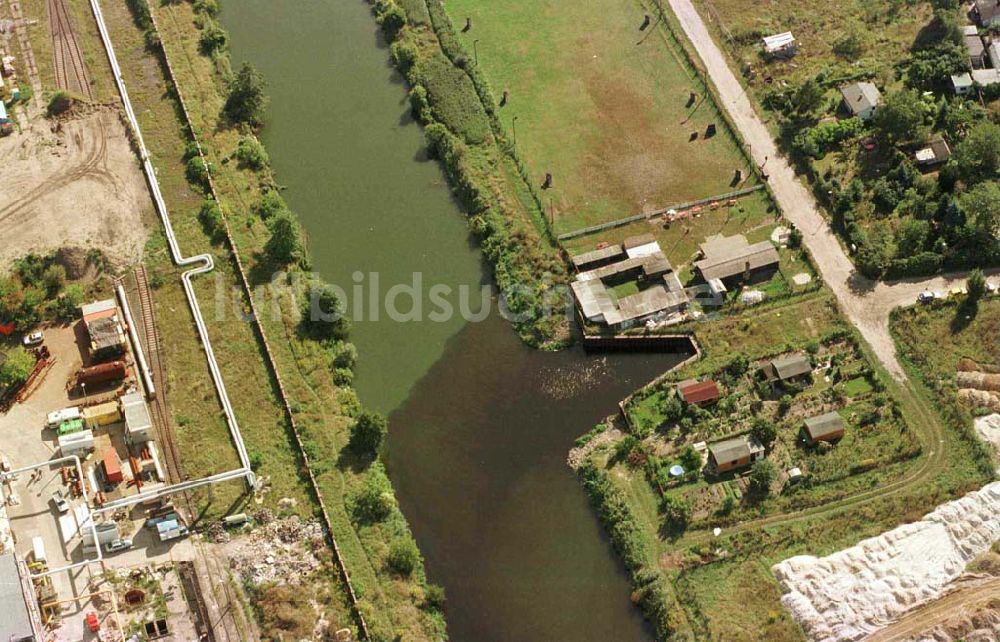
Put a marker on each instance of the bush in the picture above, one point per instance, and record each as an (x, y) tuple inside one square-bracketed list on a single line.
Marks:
[(323, 316), (676, 514), (345, 355), (214, 38), (404, 558), (270, 204), (762, 475), (453, 98), (207, 7), (197, 172), (404, 55), (368, 433), (60, 103), (250, 153), (375, 501), (211, 219), (434, 597)]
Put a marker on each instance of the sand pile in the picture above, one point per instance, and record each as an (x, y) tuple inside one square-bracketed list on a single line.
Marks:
[(851, 593)]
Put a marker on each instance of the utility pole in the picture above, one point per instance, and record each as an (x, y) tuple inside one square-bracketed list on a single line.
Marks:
[(475, 50)]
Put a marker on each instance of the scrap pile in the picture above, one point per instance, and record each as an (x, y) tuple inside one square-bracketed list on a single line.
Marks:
[(283, 551)]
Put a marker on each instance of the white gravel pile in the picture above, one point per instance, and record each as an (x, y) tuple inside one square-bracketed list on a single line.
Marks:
[(856, 591)]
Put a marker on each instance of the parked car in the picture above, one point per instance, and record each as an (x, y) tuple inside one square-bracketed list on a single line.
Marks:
[(60, 500), (120, 544), (33, 339), (927, 297), (991, 288)]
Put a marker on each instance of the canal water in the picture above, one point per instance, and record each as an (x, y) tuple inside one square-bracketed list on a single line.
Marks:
[(479, 424)]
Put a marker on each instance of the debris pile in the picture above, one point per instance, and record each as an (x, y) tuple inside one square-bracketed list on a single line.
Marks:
[(282, 551), (852, 593)]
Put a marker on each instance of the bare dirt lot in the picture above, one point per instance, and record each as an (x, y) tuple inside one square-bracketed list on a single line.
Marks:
[(78, 185)]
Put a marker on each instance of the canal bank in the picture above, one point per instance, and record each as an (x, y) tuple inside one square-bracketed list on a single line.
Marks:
[(480, 424)]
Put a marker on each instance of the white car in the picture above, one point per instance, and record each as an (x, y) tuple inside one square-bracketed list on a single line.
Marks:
[(926, 297), (122, 544), (33, 339)]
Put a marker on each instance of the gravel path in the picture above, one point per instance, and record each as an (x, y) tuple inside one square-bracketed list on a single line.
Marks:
[(865, 302)]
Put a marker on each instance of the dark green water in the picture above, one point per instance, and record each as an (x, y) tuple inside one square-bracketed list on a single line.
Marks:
[(480, 424)]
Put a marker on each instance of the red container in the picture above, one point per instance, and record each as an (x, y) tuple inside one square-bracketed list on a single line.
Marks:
[(101, 373), (112, 466)]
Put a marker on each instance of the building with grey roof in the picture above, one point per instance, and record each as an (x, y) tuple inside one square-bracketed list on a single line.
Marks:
[(732, 260), (660, 291), (734, 453), (961, 84), (861, 99), (791, 369), (987, 12), (974, 46), (15, 619), (826, 427), (597, 258)]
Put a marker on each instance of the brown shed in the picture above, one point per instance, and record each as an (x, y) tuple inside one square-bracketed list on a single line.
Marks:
[(734, 453), (828, 427)]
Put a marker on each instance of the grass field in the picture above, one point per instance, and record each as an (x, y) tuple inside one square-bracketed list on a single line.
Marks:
[(600, 105)]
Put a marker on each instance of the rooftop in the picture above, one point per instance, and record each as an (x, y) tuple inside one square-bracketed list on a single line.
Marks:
[(601, 255), (860, 96), (728, 256), (15, 622), (98, 309), (734, 449), (789, 367), (934, 152), (988, 10), (699, 391), (137, 417), (963, 79), (778, 41), (824, 425), (105, 332)]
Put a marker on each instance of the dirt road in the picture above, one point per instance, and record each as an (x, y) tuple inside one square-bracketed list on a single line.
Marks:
[(866, 303), (945, 611), (78, 186)]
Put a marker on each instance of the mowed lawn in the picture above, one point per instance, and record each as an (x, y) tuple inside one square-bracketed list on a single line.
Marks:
[(600, 105)]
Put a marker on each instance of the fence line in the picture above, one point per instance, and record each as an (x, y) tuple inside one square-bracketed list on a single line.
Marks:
[(648, 215)]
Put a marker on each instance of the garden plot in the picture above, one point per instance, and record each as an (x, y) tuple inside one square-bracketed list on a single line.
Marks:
[(852, 593)]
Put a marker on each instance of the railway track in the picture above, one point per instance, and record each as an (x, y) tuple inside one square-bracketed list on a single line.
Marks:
[(71, 71), (161, 415)]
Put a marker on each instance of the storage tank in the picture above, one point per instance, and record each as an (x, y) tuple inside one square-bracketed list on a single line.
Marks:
[(102, 414), (76, 442), (101, 373)]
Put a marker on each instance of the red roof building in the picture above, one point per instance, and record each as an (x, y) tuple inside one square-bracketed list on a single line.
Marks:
[(701, 393)]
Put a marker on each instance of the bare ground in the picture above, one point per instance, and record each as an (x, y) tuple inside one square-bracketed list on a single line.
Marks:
[(72, 182)]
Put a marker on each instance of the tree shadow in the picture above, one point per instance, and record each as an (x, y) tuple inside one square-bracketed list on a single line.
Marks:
[(354, 461), (858, 283), (964, 315)]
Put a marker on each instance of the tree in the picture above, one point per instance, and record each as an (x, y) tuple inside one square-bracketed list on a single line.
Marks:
[(849, 46), (17, 367), (285, 244), (247, 101), (762, 475), (976, 285), (369, 433), (676, 514), (323, 315), (375, 501), (981, 205), (404, 557), (978, 154), (900, 116), (764, 431), (809, 96), (690, 459), (69, 303), (251, 153), (53, 278), (214, 38), (270, 204), (911, 237)]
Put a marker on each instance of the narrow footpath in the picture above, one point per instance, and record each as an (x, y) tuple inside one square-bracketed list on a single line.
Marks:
[(865, 302)]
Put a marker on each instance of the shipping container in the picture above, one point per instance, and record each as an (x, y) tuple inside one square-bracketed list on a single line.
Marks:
[(112, 466), (70, 427), (102, 414), (76, 442), (66, 414), (102, 373)]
